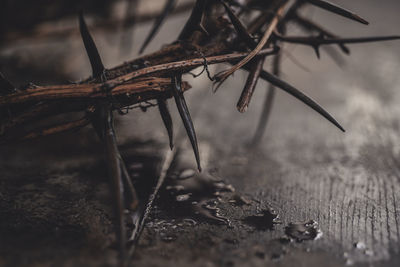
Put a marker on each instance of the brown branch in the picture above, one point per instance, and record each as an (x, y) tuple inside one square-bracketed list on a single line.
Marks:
[(250, 86), (221, 77), (151, 85), (312, 26), (148, 77), (119, 86), (316, 41), (186, 65)]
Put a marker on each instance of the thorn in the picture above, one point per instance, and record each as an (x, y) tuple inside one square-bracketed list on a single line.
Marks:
[(317, 52), (239, 27), (166, 117), (222, 76), (316, 46), (250, 85), (310, 26), (103, 123), (169, 6), (299, 95), (185, 115), (115, 173), (337, 10), (314, 41), (194, 20), (91, 49), (143, 108), (218, 81), (133, 201), (202, 29), (362, 39), (240, 5)]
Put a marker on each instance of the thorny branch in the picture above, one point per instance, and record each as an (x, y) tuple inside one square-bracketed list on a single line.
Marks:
[(243, 33)]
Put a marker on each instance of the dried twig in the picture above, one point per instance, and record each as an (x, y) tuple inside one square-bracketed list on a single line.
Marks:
[(337, 10), (220, 78)]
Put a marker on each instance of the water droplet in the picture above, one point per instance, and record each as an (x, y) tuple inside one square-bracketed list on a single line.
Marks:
[(303, 231), (359, 245), (167, 237), (175, 188), (265, 221), (284, 240), (223, 187), (184, 197), (189, 221), (276, 256), (196, 197), (260, 254), (238, 200)]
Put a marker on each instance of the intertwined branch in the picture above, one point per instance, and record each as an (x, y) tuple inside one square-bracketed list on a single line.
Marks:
[(243, 33)]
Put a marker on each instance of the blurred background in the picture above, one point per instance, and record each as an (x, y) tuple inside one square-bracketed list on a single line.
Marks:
[(304, 169)]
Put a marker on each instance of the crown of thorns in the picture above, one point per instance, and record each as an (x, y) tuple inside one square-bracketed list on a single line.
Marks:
[(243, 33)]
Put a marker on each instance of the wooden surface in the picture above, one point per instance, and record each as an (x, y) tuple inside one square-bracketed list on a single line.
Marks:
[(54, 197)]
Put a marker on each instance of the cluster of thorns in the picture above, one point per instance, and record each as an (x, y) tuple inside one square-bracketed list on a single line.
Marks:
[(243, 33)]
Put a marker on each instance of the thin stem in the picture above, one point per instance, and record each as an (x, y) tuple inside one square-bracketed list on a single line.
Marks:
[(220, 78)]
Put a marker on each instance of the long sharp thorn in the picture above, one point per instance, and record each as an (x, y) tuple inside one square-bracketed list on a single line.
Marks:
[(361, 40), (91, 49), (185, 115), (250, 85), (239, 27), (299, 95), (194, 20), (203, 29), (317, 52), (166, 118), (103, 123), (310, 26), (169, 6), (6, 86), (133, 201), (114, 171), (337, 10), (316, 41)]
